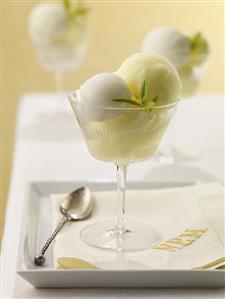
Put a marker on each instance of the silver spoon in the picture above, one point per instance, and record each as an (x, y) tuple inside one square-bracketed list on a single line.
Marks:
[(76, 205)]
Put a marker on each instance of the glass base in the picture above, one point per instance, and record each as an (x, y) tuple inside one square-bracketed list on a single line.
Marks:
[(137, 236)]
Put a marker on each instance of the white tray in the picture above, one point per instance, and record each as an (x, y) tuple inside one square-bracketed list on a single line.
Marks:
[(36, 228)]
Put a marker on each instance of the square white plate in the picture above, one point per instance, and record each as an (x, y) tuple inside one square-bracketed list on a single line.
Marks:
[(36, 228)]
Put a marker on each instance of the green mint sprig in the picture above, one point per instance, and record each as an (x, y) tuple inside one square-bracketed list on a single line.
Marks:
[(195, 40), (199, 45), (67, 5), (77, 11), (143, 100)]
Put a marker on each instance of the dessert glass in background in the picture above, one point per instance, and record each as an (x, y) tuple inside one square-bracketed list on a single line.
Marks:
[(59, 33), (189, 54), (123, 121)]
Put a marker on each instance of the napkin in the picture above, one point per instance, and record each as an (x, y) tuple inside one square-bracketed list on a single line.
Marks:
[(190, 220)]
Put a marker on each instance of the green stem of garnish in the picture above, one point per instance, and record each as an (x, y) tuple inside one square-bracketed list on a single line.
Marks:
[(143, 101)]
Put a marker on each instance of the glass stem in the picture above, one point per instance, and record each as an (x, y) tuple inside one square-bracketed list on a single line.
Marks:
[(59, 81), (120, 208)]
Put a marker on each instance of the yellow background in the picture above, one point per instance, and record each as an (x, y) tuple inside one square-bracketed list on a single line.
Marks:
[(117, 31)]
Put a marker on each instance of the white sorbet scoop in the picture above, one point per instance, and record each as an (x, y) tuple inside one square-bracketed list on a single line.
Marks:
[(97, 95), (47, 23), (169, 43)]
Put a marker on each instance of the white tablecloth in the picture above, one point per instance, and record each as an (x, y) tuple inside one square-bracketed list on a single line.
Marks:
[(48, 146)]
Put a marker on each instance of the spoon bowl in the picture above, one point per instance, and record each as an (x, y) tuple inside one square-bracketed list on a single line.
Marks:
[(77, 204)]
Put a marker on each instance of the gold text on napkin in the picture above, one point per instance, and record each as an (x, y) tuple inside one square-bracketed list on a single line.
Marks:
[(186, 238)]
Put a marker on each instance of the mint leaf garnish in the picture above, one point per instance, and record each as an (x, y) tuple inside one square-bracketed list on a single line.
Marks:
[(75, 13), (155, 99), (81, 9), (127, 101), (151, 104), (67, 5), (195, 40), (143, 101)]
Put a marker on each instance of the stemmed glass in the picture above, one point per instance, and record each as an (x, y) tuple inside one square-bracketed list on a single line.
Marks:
[(125, 136), (62, 58), (171, 152), (60, 33)]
